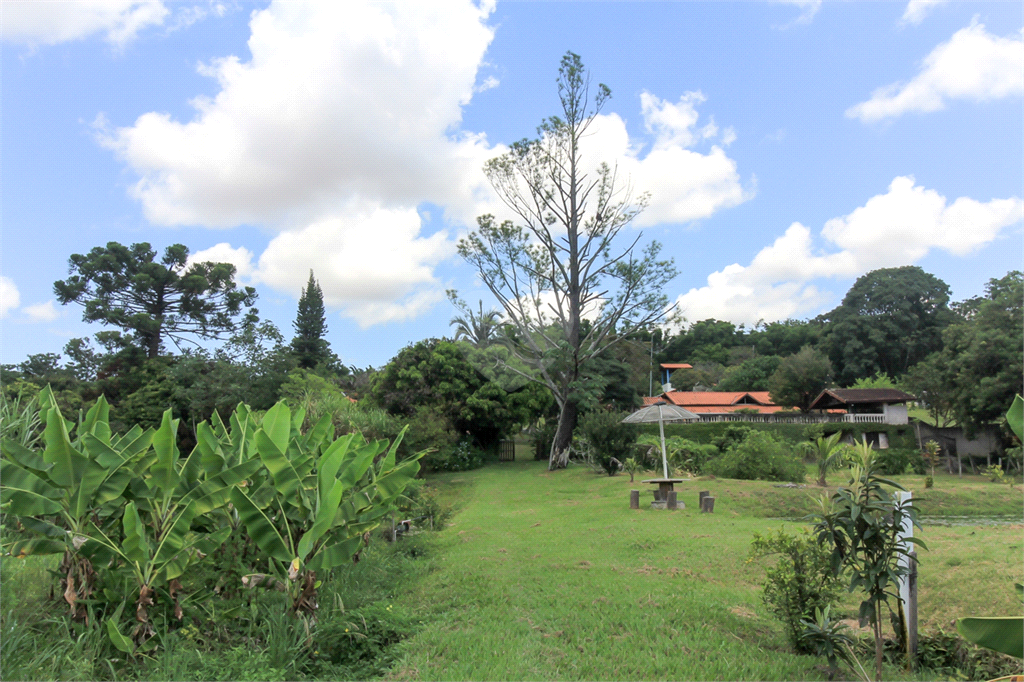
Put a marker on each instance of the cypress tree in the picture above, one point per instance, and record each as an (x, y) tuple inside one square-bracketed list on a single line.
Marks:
[(309, 346)]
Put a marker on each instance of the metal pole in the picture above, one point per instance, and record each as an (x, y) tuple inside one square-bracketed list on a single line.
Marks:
[(664, 453)]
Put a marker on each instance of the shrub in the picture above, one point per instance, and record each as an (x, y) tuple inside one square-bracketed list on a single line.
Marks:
[(691, 456), (542, 438), (609, 438), (896, 461), (733, 435), (799, 583), (759, 457), (358, 641), (460, 457)]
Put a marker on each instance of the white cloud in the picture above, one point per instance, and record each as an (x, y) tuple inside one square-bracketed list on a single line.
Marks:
[(38, 22), (917, 10), (371, 262), (339, 100), (973, 65), (9, 296), (896, 228), (345, 120), (42, 312), (240, 257), (684, 184)]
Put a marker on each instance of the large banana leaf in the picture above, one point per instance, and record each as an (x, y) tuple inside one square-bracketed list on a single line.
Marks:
[(1005, 635), (261, 529), (277, 425), (164, 470), (1015, 416), (27, 494), (286, 478)]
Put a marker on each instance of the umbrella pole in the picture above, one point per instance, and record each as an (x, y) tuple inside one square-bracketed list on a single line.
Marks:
[(664, 454)]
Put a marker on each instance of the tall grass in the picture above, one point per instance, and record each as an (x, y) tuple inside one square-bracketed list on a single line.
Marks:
[(19, 420)]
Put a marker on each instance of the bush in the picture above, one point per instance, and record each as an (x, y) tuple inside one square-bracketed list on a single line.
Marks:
[(799, 583), (896, 461), (759, 457), (358, 641), (460, 457), (733, 435), (683, 453), (542, 439), (609, 438)]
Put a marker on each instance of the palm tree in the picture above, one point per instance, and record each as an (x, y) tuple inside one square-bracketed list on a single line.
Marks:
[(480, 329), (829, 455)]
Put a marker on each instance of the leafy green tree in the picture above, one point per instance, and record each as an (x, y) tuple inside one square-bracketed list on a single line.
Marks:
[(784, 338), (880, 380), (436, 373), (800, 378), (564, 261), (707, 340), (933, 381), (752, 375), (986, 353), (888, 321), (123, 287), (706, 374), (310, 347)]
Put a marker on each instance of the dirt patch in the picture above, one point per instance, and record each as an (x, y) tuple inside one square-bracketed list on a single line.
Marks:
[(743, 612)]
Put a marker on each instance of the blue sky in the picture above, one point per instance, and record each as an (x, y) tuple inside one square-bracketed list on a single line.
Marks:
[(789, 147)]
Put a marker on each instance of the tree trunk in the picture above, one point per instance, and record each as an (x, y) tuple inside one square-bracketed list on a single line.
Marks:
[(563, 436)]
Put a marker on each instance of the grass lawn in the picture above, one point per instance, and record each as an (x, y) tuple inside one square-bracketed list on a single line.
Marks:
[(551, 576)]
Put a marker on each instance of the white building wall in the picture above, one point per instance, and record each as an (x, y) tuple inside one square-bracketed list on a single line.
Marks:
[(895, 414)]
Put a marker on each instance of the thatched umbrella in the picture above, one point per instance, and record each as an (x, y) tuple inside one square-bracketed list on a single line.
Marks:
[(661, 413)]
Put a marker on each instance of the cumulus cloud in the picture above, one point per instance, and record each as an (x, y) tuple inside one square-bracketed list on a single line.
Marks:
[(896, 228), (240, 257), (42, 312), (338, 100), (36, 22), (973, 65), (346, 119), (372, 263), (9, 296), (684, 184), (917, 10)]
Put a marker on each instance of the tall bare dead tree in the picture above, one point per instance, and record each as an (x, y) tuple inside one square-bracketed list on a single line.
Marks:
[(568, 287)]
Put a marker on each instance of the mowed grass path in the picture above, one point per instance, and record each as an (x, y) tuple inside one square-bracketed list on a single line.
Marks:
[(551, 576)]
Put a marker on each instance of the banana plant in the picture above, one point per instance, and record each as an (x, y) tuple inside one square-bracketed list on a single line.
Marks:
[(76, 484), (159, 537), (321, 501)]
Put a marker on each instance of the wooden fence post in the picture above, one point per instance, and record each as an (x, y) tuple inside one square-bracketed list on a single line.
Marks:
[(911, 610)]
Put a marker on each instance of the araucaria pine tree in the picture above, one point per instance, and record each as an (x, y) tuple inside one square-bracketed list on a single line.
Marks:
[(309, 345)]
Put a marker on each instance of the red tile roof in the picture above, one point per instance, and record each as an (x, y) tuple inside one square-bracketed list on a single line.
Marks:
[(675, 365)]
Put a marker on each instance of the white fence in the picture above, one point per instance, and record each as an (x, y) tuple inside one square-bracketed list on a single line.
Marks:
[(795, 418)]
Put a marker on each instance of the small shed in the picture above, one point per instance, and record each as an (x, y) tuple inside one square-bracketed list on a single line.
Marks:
[(866, 405)]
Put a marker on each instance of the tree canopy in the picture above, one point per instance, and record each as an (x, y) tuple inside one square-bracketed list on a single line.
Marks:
[(888, 321), (800, 378), (563, 262), (309, 345), (986, 354), (125, 287)]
